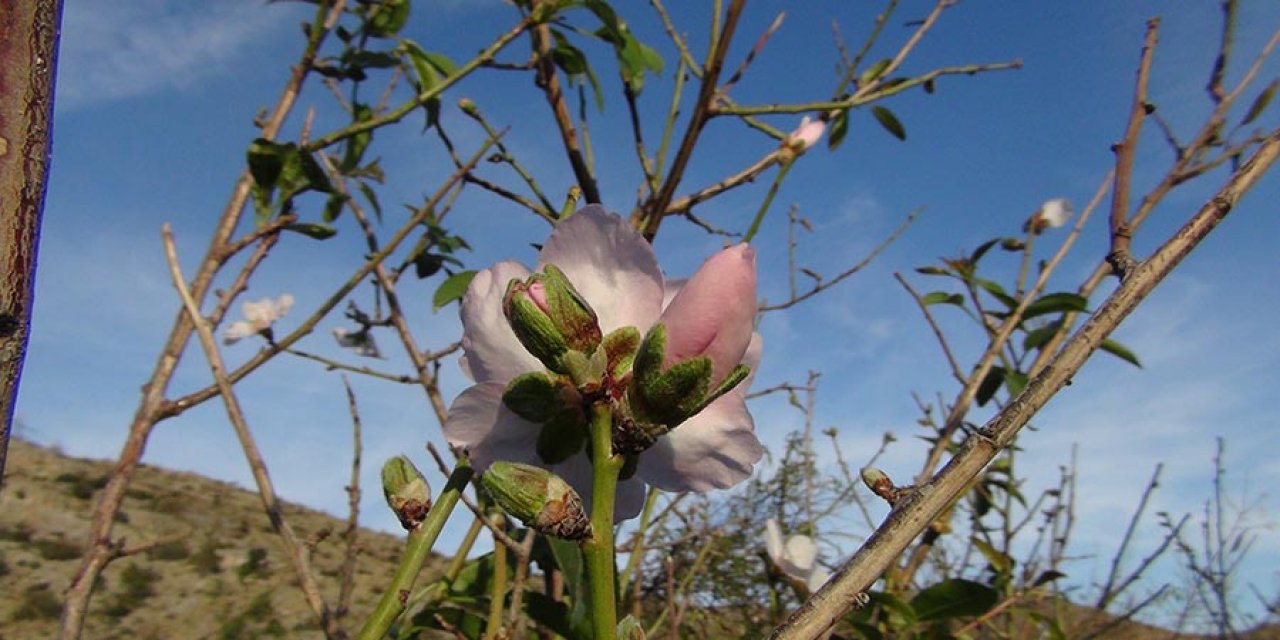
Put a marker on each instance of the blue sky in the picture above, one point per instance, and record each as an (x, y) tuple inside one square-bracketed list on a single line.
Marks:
[(154, 107)]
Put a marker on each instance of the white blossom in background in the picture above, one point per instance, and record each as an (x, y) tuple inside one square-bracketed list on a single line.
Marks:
[(360, 342), (1052, 214), (258, 318), (797, 557)]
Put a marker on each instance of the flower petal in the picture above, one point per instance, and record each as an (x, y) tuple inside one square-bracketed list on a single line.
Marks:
[(604, 257), (493, 354), (628, 500), (238, 331), (817, 577), (714, 313), (488, 430), (714, 449), (773, 540), (802, 552)]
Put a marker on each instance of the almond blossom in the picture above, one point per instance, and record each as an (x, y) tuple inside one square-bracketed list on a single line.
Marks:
[(807, 134), (616, 272), (258, 318), (798, 557)]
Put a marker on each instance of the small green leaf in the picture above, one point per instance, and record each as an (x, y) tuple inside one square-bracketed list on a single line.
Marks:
[(933, 271), (942, 297), (356, 145), (333, 207), (389, 19), (998, 292), (889, 121), (839, 130), (990, 385), (901, 614), (954, 598), (312, 230), (451, 289), (372, 197), (1015, 381), (1038, 337), (1260, 103), (870, 74), (999, 561), (1047, 576), (1120, 351), (981, 251), (1056, 303)]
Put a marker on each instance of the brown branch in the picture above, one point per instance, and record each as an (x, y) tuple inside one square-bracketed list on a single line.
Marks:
[(266, 491), (648, 217), (152, 404), (1120, 257), (351, 535), (549, 81), (28, 57), (903, 524)]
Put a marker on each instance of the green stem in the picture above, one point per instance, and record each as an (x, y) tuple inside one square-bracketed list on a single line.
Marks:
[(421, 539), (599, 549), (768, 199)]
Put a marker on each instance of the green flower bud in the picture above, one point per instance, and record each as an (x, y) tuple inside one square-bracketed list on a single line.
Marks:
[(538, 498), (550, 317), (407, 491)]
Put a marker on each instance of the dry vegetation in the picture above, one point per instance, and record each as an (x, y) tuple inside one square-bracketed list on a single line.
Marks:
[(216, 569)]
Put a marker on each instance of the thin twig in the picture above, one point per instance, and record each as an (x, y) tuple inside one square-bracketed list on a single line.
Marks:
[(266, 491)]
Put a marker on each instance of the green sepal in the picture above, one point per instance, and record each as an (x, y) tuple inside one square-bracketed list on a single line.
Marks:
[(534, 396), (571, 314), (561, 437), (532, 327), (620, 350)]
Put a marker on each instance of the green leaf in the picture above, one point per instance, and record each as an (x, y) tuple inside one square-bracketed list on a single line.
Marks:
[(1015, 381), (889, 121), (389, 18), (356, 145), (901, 614), (870, 74), (1047, 576), (1050, 624), (1120, 351), (333, 207), (574, 63), (999, 561), (942, 297), (954, 598), (1260, 103), (839, 130), (998, 292), (989, 385), (1056, 303), (981, 251), (312, 230), (451, 289), (1040, 336), (428, 75), (933, 271), (372, 197)]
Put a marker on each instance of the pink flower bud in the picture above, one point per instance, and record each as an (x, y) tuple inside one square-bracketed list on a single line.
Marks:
[(807, 134), (714, 313)]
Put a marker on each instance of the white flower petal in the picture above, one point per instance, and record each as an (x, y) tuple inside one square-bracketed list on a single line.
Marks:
[(610, 264), (773, 540), (238, 331), (493, 352), (479, 422), (714, 449), (802, 552)]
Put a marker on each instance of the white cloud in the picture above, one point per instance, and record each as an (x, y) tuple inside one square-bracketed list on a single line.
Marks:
[(114, 50)]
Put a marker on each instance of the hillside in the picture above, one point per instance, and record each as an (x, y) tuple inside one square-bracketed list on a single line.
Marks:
[(220, 574)]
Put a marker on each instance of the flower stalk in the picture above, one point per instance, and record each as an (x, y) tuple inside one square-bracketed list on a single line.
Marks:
[(598, 549), (421, 539)]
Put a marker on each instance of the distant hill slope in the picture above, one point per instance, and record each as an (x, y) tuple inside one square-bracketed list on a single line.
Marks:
[(221, 573)]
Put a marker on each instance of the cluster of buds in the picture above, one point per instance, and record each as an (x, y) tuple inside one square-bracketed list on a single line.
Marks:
[(690, 357)]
